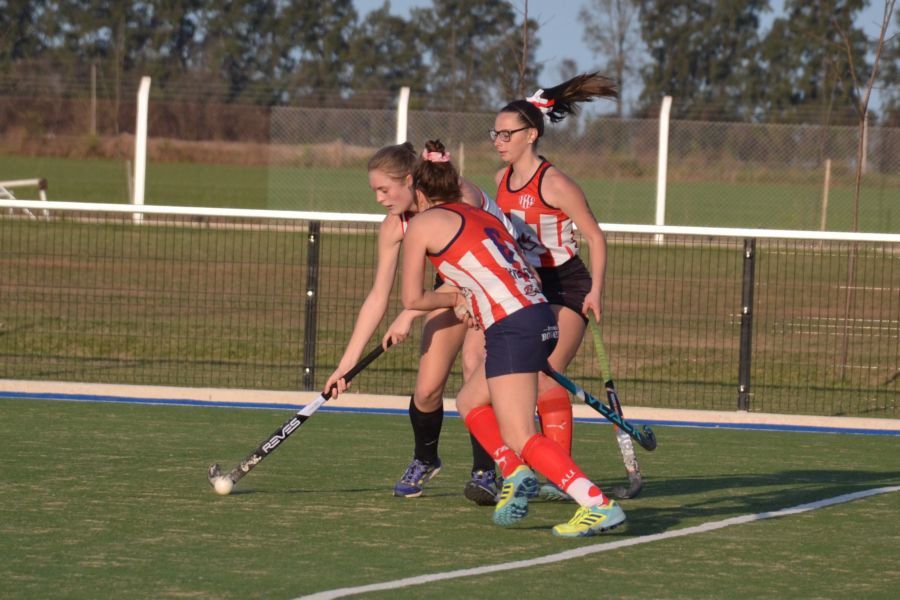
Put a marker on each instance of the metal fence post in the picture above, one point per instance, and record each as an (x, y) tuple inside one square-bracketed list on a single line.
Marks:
[(662, 163), (402, 114), (746, 324), (312, 297), (140, 146)]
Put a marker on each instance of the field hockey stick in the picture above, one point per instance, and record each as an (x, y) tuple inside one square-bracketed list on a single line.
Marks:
[(635, 483), (282, 433), (645, 437)]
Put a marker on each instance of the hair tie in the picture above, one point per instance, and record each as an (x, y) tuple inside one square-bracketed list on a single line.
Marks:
[(436, 157), (541, 103)]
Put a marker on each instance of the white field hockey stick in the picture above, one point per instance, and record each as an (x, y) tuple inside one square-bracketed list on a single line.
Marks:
[(635, 483), (215, 474)]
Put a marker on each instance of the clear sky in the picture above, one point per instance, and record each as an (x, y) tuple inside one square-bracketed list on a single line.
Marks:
[(561, 31)]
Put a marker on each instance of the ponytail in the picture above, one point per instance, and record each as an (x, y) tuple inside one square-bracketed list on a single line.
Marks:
[(436, 176), (560, 101)]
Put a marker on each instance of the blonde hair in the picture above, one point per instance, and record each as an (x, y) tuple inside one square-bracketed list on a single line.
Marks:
[(397, 161)]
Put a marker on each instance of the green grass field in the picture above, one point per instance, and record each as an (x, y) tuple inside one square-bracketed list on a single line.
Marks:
[(107, 500), (704, 202)]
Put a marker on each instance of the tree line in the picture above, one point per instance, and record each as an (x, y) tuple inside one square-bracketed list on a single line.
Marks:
[(464, 55)]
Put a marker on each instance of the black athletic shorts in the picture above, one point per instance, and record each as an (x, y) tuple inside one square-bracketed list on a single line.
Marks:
[(566, 285), (521, 342)]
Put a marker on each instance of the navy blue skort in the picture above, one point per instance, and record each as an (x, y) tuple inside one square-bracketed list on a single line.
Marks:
[(521, 342)]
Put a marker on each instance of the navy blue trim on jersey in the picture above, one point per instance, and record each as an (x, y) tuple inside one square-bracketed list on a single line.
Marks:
[(455, 237), (509, 172), (540, 182), (540, 185)]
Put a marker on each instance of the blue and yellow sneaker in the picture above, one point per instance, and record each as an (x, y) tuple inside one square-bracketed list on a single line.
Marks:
[(417, 475), (512, 505), (482, 488), (551, 493), (592, 520)]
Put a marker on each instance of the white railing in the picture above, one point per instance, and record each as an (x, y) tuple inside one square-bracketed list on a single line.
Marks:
[(296, 215)]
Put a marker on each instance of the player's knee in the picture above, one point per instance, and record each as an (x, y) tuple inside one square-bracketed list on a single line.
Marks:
[(429, 399), (471, 397), (471, 362)]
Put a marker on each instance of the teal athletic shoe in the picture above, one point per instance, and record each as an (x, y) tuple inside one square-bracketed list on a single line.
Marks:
[(592, 520), (417, 475), (512, 505)]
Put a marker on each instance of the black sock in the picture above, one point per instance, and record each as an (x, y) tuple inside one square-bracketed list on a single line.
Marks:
[(426, 431), (481, 459)]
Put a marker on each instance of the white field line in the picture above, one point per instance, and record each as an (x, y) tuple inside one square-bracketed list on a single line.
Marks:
[(594, 549)]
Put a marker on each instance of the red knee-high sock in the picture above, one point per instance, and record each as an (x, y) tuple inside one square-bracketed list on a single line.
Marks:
[(547, 457), (482, 423), (555, 412)]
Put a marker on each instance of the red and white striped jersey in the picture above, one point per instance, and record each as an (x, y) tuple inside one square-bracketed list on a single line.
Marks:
[(553, 227), (522, 233), (484, 259)]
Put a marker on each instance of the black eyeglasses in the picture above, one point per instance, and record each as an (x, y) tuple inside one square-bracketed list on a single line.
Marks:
[(504, 134)]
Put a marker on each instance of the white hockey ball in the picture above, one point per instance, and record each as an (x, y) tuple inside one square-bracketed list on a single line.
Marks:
[(223, 485)]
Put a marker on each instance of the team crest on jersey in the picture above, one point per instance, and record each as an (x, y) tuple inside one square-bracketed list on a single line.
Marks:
[(526, 200)]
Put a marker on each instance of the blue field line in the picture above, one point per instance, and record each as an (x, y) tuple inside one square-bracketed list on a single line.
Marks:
[(771, 427), (189, 402), (404, 412)]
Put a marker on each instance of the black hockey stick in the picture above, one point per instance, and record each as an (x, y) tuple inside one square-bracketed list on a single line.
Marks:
[(282, 433), (635, 482), (645, 437)]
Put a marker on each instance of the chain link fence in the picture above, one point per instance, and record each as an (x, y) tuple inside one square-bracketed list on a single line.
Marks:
[(209, 153), (201, 300)]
